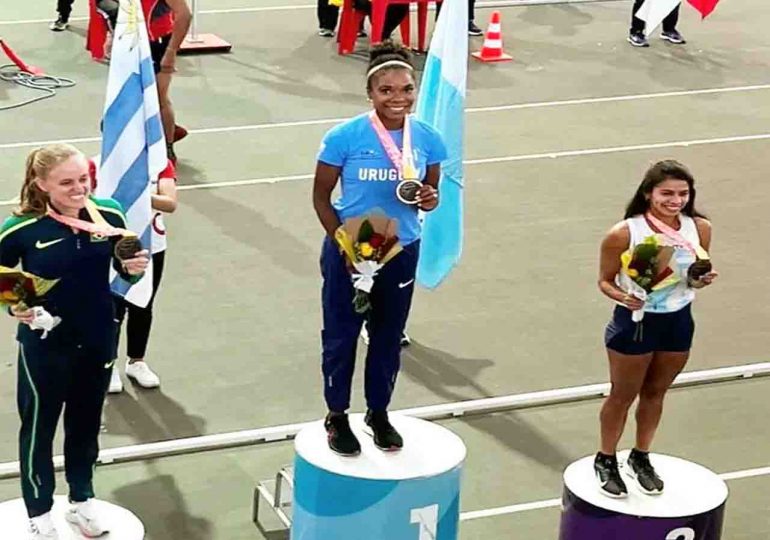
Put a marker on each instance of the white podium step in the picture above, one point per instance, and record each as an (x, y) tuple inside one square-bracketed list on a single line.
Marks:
[(123, 524), (410, 494), (691, 506)]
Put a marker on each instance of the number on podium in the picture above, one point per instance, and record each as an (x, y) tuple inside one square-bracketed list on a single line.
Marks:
[(427, 519), (682, 533)]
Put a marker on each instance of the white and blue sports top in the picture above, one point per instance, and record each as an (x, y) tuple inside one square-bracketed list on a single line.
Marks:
[(677, 295)]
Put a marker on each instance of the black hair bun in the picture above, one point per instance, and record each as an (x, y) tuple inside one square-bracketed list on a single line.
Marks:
[(388, 50)]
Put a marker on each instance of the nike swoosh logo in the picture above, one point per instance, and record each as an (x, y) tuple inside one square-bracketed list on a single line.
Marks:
[(108, 365), (402, 285), (43, 245)]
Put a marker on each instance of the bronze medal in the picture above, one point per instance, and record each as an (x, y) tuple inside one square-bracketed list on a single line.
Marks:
[(127, 247), (698, 269)]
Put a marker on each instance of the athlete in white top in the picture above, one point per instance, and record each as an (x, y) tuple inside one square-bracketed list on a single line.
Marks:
[(646, 356)]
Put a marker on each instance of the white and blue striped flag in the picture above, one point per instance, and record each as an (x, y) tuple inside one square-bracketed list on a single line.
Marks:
[(441, 104), (133, 145)]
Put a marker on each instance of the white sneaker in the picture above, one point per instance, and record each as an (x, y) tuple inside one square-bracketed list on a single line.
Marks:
[(42, 528), (143, 375), (116, 385), (85, 516)]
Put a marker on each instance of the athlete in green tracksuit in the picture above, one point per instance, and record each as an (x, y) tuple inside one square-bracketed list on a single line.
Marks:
[(70, 368)]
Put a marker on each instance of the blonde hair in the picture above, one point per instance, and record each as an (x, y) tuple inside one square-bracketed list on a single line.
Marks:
[(40, 163)]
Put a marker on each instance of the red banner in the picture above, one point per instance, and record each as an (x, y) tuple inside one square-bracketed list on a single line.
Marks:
[(704, 7)]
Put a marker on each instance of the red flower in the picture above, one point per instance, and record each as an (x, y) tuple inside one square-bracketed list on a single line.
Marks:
[(376, 240)]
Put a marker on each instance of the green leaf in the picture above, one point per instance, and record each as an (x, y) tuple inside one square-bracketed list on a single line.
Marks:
[(366, 231)]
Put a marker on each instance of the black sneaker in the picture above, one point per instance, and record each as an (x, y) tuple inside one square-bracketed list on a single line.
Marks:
[(474, 30), (59, 25), (638, 39), (639, 468), (673, 37), (342, 441), (405, 339), (386, 437), (608, 477)]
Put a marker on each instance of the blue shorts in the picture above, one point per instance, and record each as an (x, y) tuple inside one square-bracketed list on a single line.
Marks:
[(664, 332)]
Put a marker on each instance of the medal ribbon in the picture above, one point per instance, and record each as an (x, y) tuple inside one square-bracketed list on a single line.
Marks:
[(403, 161), (679, 240), (99, 226)]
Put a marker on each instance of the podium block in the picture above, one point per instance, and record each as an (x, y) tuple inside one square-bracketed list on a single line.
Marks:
[(690, 508), (410, 494), (123, 524)]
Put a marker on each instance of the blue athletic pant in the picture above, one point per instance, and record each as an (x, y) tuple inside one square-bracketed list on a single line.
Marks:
[(50, 379), (391, 298)]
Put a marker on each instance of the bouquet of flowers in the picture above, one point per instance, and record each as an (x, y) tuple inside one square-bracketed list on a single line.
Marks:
[(648, 267), (25, 291), (368, 243)]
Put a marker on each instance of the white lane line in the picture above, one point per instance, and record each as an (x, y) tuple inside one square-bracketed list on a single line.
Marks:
[(490, 4), (615, 149), (552, 503), (512, 509), (485, 161), (470, 110)]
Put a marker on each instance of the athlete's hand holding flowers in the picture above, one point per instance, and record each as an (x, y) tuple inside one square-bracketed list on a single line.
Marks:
[(22, 292), (375, 244)]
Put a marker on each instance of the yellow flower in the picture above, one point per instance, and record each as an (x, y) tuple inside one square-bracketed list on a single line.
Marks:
[(366, 249), (632, 273)]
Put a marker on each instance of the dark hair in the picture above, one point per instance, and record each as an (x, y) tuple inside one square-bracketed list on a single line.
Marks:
[(386, 52), (668, 169)]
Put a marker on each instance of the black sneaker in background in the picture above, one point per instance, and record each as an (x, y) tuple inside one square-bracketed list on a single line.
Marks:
[(608, 476), (342, 441), (637, 39), (385, 436), (639, 468), (59, 25), (673, 37), (474, 30)]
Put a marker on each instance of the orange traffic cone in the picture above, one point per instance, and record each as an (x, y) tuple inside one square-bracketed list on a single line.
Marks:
[(492, 50)]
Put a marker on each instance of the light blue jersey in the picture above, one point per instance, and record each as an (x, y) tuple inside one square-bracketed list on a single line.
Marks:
[(369, 178)]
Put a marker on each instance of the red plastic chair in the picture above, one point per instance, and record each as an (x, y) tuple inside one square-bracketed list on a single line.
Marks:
[(351, 20)]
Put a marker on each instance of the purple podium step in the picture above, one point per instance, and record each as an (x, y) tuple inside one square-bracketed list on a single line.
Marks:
[(690, 508)]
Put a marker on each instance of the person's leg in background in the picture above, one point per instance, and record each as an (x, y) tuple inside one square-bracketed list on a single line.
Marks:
[(64, 9), (167, 116), (327, 18), (670, 33), (473, 30), (393, 17), (138, 331), (636, 35)]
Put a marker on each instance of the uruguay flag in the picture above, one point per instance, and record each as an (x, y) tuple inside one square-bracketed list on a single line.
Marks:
[(441, 104), (133, 145)]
